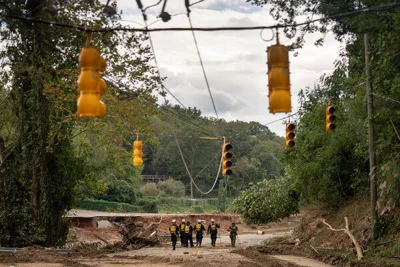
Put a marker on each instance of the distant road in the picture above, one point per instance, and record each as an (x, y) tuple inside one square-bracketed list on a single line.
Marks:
[(94, 213)]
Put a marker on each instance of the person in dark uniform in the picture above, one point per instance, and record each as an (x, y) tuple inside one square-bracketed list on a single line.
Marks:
[(173, 229), (199, 229), (188, 235), (182, 232), (212, 230), (233, 229)]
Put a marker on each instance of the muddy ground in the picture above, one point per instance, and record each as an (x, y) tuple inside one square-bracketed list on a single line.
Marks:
[(93, 245)]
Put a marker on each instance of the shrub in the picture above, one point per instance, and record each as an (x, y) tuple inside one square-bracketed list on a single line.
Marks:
[(149, 189), (197, 209), (267, 201), (120, 191), (103, 205), (148, 205), (222, 196), (172, 187)]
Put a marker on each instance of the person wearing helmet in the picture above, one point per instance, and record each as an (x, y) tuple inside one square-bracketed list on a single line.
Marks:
[(199, 229), (188, 235), (212, 230), (174, 231), (233, 229), (182, 232)]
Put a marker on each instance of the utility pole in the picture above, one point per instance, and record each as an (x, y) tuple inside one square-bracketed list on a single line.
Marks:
[(371, 135), (191, 189)]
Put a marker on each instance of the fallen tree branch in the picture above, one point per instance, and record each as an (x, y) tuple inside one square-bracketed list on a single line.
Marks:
[(347, 231), (314, 249), (102, 239)]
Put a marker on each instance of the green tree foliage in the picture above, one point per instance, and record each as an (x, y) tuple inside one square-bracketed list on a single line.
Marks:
[(267, 201), (333, 166), (255, 148), (149, 189), (41, 168), (222, 196), (171, 188)]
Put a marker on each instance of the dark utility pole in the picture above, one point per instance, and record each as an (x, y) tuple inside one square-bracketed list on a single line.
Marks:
[(371, 135)]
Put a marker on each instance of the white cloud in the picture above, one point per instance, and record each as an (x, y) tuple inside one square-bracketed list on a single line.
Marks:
[(235, 61)]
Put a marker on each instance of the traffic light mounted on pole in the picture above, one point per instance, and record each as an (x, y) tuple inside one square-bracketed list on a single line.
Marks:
[(226, 159), (290, 134), (137, 152), (278, 78), (90, 84), (330, 118)]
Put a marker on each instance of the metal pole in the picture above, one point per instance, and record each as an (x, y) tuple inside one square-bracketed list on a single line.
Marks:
[(191, 189), (371, 135)]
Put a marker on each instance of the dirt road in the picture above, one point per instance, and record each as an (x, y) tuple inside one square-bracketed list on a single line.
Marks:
[(221, 255)]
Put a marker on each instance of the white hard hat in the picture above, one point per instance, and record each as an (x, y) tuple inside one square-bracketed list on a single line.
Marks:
[(183, 220), (212, 220), (173, 220), (199, 221)]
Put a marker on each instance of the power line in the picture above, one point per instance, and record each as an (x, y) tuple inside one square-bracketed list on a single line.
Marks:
[(246, 28), (281, 119), (202, 66), (177, 115), (386, 98), (188, 172), (154, 52)]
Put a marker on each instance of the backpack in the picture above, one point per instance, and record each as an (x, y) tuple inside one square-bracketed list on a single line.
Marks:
[(213, 227), (182, 227), (198, 227), (187, 229), (172, 228)]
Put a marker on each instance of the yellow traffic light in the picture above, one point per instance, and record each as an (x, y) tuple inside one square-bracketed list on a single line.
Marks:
[(90, 84), (289, 143), (330, 118), (226, 159), (137, 153), (279, 79)]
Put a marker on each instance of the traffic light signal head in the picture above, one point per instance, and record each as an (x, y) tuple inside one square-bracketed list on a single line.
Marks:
[(279, 79), (137, 153), (290, 134), (330, 118), (227, 159), (90, 85)]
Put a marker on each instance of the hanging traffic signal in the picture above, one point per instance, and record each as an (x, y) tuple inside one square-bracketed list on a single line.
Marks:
[(90, 85), (226, 159), (290, 135), (137, 153), (279, 78), (330, 118)]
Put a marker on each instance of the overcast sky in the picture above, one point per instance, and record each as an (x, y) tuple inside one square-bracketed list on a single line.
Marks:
[(234, 61)]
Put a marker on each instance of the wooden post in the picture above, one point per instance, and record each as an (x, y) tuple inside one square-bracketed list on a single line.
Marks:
[(371, 135)]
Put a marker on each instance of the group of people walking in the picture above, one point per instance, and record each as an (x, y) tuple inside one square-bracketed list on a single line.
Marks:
[(185, 231)]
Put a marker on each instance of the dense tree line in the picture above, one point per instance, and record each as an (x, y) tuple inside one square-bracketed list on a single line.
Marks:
[(49, 158), (255, 148), (333, 167)]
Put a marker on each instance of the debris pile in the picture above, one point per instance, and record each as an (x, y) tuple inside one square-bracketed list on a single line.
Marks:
[(137, 235)]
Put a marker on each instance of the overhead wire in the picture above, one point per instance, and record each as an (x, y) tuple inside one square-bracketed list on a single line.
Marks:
[(201, 61), (386, 98), (163, 86), (281, 119), (177, 115), (188, 172), (245, 28)]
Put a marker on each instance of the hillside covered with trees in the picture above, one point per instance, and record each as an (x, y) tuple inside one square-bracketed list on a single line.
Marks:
[(50, 160)]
